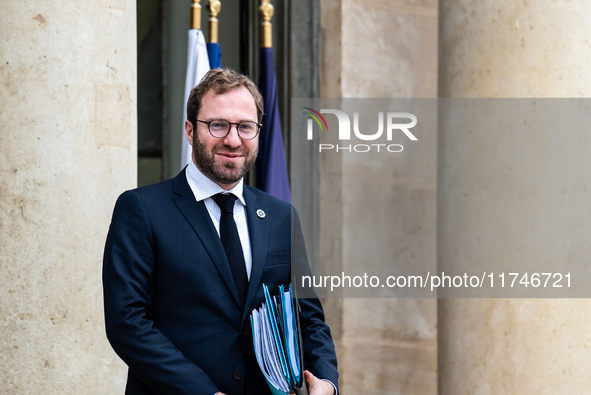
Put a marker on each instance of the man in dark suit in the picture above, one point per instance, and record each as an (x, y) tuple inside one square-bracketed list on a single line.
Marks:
[(177, 306)]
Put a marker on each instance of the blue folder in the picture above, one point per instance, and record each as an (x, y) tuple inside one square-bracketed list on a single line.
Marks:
[(277, 338)]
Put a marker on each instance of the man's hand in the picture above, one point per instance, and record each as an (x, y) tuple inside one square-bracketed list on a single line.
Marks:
[(317, 386)]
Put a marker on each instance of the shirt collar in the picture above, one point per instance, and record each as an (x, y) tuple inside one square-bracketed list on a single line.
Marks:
[(204, 188)]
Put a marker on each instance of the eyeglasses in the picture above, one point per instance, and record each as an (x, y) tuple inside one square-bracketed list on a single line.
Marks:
[(219, 128)]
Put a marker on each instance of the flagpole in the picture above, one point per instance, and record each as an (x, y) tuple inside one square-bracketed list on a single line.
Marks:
[(266, 10), (196, 14), (272, 176), (214, 6), (197, 66)]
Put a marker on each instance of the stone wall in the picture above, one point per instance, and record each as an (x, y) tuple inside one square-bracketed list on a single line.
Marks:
[(380, 49)]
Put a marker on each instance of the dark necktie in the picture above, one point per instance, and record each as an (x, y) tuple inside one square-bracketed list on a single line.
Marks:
[(231, 243)]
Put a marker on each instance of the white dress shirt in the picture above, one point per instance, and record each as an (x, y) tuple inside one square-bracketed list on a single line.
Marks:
[(203, 189)]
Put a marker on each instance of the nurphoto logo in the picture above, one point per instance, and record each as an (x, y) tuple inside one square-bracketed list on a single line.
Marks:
[(396, 122)]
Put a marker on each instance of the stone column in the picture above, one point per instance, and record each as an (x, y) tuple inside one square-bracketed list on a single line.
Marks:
[(380, 49), (511, 49), (67, 149)]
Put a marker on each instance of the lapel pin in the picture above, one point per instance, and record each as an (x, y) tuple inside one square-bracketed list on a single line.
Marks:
[(261, 213)]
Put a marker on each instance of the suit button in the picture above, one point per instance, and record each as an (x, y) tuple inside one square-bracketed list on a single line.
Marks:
[(244, 333), (237, 375)]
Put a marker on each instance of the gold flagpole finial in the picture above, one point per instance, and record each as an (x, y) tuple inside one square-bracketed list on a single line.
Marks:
[(214, 6), (266, 10), (196, 14)]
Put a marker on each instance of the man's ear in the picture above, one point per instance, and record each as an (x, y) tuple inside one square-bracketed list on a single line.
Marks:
[(189, 131)]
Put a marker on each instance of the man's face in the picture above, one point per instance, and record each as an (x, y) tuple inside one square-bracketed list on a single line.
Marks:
[(224, 160)]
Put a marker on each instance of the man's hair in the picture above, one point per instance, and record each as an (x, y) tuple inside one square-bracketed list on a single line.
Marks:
[(221, 81)]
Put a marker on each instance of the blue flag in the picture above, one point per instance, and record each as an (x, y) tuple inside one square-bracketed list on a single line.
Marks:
[(215, 55), (271, 165)]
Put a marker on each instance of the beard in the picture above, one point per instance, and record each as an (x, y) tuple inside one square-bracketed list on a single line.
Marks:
[(226, 173)]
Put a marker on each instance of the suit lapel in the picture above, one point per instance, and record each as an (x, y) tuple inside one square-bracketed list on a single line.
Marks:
[(197, 215), (258, 232)]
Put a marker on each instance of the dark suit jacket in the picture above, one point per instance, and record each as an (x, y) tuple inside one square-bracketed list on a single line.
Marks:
[(171, 307)]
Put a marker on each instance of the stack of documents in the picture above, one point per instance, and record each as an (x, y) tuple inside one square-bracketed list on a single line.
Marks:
[(277, 340)]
